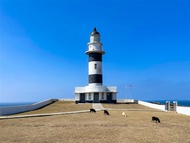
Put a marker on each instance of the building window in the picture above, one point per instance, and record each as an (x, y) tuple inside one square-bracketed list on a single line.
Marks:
[(102, 96), (89, 96), (108, 94), (95, 66)]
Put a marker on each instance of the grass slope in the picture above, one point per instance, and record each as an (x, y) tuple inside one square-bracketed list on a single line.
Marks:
[(96, 127)]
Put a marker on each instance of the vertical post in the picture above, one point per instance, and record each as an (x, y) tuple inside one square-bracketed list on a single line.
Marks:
[(175, 106), (167, 106), (126, 91), (130, 90), (129, 93)]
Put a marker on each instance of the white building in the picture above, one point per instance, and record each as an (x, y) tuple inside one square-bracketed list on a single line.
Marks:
[(95, 92)]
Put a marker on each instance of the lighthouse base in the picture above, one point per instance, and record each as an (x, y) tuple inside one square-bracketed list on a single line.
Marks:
[(96, 94)]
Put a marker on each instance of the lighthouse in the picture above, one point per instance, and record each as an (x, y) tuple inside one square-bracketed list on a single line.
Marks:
[(95, 92), (95, 53)]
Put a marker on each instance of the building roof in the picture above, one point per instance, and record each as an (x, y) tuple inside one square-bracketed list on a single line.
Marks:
[(96, 88), (94, 32)]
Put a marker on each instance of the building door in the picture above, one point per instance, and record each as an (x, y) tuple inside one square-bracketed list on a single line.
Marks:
[(96, 97), (82, 98), (109, 97)]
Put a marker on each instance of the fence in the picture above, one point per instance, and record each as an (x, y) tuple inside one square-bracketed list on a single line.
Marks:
[(181, 109), (24, 108), (166, 107)]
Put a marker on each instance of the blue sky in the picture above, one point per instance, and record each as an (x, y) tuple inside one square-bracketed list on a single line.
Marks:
[(43, 44)]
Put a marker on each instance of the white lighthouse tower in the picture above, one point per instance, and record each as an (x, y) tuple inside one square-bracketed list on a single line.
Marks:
[(95, 53), (95, 92)]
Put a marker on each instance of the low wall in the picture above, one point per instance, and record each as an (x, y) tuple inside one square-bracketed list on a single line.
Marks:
[(151, 105), (24, 108), (183, 110), (67, 99)]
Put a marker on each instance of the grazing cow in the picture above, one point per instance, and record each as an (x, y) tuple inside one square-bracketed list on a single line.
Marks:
[(92, 110), (106, 112), (123, 113), (156, 119)]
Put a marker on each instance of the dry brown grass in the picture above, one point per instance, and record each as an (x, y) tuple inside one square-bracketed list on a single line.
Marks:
[(96, 127), (60, 106), (127, 106)]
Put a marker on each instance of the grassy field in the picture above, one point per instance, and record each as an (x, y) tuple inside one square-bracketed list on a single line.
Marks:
[(61, 106), (96, 127)]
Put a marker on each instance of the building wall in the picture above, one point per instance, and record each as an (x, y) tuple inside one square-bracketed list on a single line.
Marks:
[(101, 96), (89, 96), (77, 96), (94, 46), (93, 70), (105, 97), (114, 96), (95, 88), (90, 99)]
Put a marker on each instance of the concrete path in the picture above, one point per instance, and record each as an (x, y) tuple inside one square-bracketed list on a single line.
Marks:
[(97, 106), (41, 115)]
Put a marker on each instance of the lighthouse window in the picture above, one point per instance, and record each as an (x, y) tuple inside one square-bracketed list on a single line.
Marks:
[(95, 66)]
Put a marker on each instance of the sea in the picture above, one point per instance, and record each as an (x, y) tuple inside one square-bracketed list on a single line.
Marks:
[(180, 103), (15, 104)]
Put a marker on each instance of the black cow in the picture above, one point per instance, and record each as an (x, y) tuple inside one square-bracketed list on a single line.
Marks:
[(156, 119), (106, 112), (92, 110)]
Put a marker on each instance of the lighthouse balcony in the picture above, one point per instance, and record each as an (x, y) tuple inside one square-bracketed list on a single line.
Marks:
[(95, 42), (94, 51)]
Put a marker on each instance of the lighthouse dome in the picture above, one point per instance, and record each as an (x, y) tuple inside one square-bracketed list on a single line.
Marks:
[(94, 32)]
